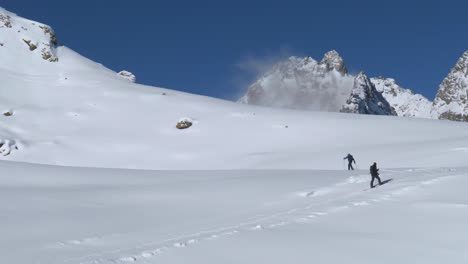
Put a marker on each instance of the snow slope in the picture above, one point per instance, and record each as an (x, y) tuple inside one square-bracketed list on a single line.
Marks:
[(244, 184), (79, 215), (78, 113)]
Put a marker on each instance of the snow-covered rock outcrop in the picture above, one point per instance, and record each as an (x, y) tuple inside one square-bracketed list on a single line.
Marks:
[(404, 101), (451, 101), (127, 75), (25, 37), (303, 83), (7, 146), (365, 99)]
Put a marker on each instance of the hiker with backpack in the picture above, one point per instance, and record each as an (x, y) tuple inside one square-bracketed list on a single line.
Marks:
[(350, 159), (374, 172)]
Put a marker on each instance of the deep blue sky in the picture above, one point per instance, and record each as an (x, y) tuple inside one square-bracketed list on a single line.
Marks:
[(196, 46)]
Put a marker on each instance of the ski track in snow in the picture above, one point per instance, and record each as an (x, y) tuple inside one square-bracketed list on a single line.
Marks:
[(318, 207)]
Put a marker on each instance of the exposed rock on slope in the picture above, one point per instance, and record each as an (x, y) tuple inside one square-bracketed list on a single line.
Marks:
[(31, 46), (5, 20), (184, 123), (40, 39), (7, 146), (365, 99), (451, 101), (127, 75)]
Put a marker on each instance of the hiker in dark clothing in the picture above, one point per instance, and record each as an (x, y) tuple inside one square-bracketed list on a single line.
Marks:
[(350, 159), (375, 174)]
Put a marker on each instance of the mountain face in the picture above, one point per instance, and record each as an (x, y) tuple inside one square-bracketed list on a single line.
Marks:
[(26, 37), (365, 99), (303, 83), (321, 86), (451, 101), (404, 101), (306, 84)]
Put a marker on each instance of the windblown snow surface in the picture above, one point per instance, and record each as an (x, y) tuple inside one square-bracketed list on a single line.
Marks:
[(95, 172)]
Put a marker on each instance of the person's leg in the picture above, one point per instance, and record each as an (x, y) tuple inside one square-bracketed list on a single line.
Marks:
[(349, 166), (378, 178), (372, 182)]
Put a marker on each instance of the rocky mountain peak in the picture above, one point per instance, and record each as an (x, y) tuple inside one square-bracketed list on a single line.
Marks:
[(365, 99), (303, 83), (451, 101), (462, 64)]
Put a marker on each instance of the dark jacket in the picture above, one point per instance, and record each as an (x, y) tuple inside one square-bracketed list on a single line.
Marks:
[(350, 158), (373, 170)]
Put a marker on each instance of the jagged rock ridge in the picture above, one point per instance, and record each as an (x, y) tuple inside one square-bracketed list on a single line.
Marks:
[(451, 101), (365, 99), (302, 84)]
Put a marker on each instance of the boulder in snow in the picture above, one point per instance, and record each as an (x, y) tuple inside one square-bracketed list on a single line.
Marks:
[(6, 146), (31, 46), (127, 75), (184, 123)]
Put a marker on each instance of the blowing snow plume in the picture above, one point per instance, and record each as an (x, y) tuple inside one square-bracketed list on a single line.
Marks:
[(303, 83)]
